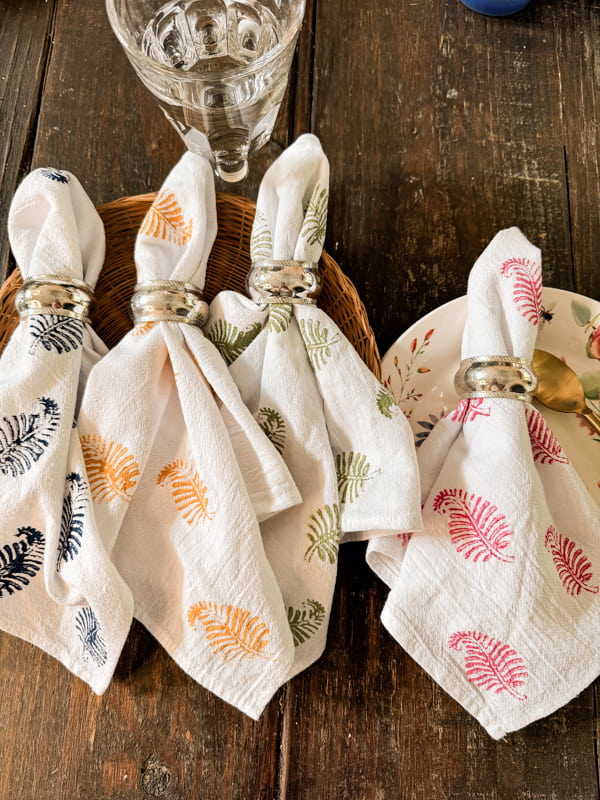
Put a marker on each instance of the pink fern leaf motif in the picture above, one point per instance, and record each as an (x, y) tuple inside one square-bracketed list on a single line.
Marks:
[(573, 567), (527, 286), (490, 664), (404, 538), (545, 447), (477, 529), (468, 410)]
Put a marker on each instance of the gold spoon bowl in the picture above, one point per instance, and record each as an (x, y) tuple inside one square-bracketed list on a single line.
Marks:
[(560, 389)]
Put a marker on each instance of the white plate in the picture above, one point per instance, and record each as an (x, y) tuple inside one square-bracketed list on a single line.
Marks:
[(419, 370)]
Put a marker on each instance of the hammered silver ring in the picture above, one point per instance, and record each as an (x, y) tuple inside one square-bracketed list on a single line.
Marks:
[(284, 281), (496, 376), (168, 301), (60, 295)]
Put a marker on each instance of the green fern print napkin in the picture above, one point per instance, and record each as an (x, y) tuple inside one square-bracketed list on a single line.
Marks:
[(351, 456), (58, 587)]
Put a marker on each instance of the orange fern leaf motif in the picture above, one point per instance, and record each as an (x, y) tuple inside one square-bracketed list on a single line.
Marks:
[(490, 663), (112, 471), (545, 447), (527, 286), (165, 220), (476, 527), (142, 328), (188, 491), (572, 566), (231, 631)]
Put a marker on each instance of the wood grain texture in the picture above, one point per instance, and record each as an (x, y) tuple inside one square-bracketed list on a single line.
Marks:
[(24, 44)]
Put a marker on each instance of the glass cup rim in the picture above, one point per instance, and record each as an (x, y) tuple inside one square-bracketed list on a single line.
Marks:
[(139, 56)]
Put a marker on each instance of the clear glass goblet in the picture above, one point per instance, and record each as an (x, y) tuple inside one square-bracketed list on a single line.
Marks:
[(218, 68)]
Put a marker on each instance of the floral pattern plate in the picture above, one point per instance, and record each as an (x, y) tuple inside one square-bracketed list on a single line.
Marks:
[(419, 370)]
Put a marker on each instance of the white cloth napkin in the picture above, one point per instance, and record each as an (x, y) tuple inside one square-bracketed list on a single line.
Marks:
[(498, 598), (180, 471), (351, 455), (51, 554)]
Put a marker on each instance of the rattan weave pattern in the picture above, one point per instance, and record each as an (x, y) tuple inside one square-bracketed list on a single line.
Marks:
[(228, 266)]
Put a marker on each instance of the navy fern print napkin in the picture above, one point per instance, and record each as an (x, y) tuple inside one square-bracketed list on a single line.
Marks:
[(58, 588)]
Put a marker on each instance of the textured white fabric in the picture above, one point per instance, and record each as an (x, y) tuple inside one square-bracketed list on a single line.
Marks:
[(498, 598), (349, 451), (180, 470), (58, 588)]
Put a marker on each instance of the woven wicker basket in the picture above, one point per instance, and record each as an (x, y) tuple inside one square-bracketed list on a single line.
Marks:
[(228, 266)]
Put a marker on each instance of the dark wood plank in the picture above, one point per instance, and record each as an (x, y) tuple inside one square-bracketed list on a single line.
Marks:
[(24, 38)]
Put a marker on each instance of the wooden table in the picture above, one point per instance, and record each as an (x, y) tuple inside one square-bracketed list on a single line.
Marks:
[(442, 126)]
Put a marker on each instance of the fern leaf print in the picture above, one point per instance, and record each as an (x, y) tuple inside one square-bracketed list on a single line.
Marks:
[(112, 471), (21, 560), (232, 632), (527, 286), (491, 664), (142, 328), (229, 340), (305, 621), (469, 410), (280, 315), (51, 332), (25, 438), (324, 534), (315, 220), (353, 471), (261, 240), (54, 175), (318, 342), (72, 518), (165, 220), (90, 636), (545, 447), (477, 529), (573, 568), (386, 403), (187, 490), (273, 426)]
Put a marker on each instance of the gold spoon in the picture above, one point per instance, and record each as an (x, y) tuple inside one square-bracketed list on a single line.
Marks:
[(560, 389)]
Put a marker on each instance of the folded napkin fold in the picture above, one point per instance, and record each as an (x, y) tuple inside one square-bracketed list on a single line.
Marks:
[(180, 470), (498, 598), (58, 588), (350, 453)]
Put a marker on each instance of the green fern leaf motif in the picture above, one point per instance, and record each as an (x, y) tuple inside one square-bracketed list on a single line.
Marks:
[(305, 621), (386, 403), (318, 342), (315, 219), (324, 534), (353, 471), (261, 242), (280, 315), (229, 340), (273, 425)]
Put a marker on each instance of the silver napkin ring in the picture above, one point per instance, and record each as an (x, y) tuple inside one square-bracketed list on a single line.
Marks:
[(61, 295), (168, 301), (496, 376), (284, 281)]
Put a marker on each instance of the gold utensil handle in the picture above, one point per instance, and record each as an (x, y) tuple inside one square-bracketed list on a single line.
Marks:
[(592, 419)]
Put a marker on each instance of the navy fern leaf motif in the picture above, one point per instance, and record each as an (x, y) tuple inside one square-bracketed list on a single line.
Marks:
[(72, 519), (55, 175), (53, 332), (90, 636), (21, 560), (24, 438)]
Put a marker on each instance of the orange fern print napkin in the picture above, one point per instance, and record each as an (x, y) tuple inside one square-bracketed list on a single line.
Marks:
[(180, 470), (352, 458), (498, 598), (58, 588)]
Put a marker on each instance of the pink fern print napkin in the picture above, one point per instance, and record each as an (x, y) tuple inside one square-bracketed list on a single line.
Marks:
[(180, 471), (58, 588), (498, 598), (351, 455)]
